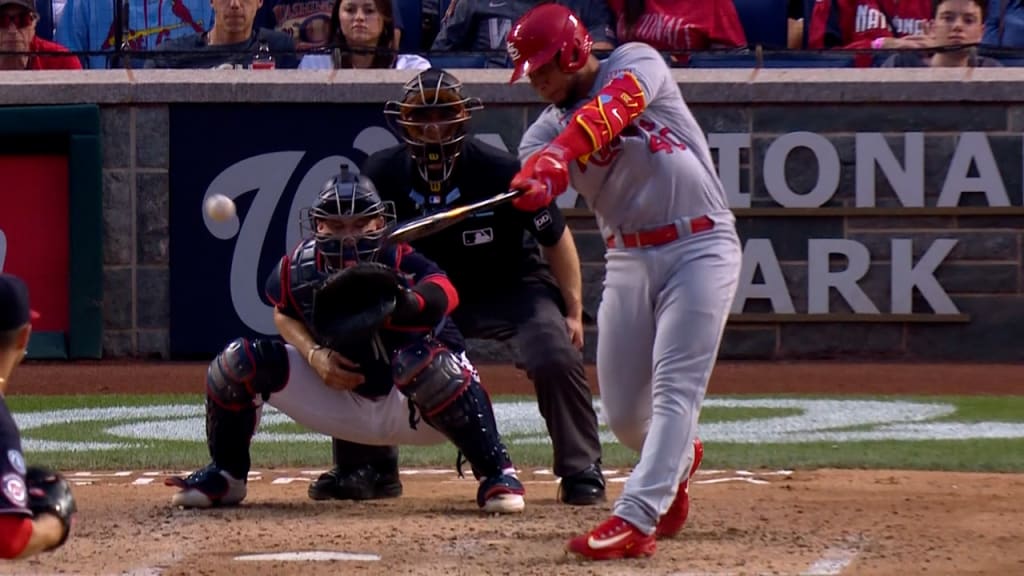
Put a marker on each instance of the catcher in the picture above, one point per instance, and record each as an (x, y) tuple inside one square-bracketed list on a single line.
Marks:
[(36, 505), (369, 356)]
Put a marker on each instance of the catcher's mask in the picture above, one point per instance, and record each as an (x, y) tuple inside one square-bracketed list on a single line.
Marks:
[(431, 118), (349, 220)]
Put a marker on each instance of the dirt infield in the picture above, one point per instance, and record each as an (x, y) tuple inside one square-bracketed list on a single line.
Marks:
[(814, 522), (765, 522)]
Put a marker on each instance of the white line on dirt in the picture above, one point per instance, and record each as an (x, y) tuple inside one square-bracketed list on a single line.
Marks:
[(835, 559), (309, 556)]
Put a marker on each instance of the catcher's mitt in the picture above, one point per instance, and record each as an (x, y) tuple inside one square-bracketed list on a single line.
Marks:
[(351, 304), (49, 492)]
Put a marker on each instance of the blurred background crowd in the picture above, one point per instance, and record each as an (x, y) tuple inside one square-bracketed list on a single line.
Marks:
[(415, 34)]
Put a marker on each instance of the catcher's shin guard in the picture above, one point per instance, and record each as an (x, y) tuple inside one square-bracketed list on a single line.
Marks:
[(244, 370), (451, 399)]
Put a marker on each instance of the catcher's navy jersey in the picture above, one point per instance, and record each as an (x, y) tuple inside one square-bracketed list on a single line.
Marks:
[(290, 288), (488, 252), (13, 494)]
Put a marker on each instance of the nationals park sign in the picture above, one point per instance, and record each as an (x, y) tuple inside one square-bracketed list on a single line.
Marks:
[(274, 169)]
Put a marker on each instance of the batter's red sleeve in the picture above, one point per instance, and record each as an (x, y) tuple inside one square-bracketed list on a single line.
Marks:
[(600, 120)]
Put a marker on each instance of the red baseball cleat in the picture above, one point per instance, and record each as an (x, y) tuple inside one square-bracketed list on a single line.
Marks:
[(612, 539), (675, 517)]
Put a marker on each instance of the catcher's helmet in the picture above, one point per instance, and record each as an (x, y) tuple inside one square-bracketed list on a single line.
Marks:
[(431, 118), (544, 33), (349, 200)]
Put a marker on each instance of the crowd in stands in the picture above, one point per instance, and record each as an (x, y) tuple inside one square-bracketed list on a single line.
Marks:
[(414, 34)]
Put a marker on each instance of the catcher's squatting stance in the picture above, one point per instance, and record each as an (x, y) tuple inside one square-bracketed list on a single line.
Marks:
[(619, 130), (508, 289), (371, 356), (37, 509)]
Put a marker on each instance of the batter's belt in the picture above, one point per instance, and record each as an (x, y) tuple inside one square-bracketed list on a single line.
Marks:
[(671, 232)]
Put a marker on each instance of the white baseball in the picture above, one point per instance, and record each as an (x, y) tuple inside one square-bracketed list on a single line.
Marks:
[(219, 207)]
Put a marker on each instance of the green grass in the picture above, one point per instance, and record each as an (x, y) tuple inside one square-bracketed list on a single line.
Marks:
[(1005, 455)]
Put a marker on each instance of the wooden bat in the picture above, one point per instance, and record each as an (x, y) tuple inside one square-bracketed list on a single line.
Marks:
[(434, 223)]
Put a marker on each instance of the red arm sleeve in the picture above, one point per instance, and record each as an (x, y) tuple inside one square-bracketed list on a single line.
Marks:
[(600, 120), (15, 532)]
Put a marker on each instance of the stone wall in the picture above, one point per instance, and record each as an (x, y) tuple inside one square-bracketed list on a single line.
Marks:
[(981, 274)]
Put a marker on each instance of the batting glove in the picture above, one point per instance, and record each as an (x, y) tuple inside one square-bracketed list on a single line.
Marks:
[(544, 176)]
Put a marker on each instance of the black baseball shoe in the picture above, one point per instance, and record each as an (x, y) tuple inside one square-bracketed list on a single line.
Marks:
[(363, 483), (585, 488)]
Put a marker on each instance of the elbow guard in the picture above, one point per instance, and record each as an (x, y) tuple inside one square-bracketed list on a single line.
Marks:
[(600, 120)]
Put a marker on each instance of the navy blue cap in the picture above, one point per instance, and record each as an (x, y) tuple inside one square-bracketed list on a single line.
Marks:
[(14, 310)]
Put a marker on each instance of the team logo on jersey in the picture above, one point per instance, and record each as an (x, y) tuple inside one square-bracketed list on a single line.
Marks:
[(17, 461), (542, 220), (13, 488), (478, 237)]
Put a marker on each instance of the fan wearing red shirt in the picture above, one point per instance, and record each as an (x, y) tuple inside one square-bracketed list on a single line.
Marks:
[(669, 25), (18, 20), (878, 24)]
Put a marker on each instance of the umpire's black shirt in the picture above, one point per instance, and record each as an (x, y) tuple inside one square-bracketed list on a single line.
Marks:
[(489, 252)]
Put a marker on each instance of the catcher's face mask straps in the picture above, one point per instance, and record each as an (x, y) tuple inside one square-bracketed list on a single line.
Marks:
[(431, 118)]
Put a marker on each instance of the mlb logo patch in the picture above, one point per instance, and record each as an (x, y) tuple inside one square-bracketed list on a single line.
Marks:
[(542, 220), (478, 237)]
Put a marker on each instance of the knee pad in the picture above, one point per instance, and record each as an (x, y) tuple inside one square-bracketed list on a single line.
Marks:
[(246, 369), (430, 375), (451, 400)]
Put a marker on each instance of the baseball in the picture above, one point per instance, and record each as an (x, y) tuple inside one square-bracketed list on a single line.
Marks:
[(219, 207)]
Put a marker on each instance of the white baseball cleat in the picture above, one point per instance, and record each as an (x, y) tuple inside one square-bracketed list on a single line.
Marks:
[(206, 488)]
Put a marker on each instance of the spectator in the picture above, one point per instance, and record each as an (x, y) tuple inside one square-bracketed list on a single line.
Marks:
[(309, 22), (482, 25), (1004, 24), (878, 24), (682, 25), (362, 36), (795, 25), (956, 23), (89, 25), (231, 43), (18, 20)]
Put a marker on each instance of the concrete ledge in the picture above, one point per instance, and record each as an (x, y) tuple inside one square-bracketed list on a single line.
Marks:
[(700, 86)]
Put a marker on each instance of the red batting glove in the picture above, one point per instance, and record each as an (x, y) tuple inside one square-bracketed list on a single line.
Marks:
[(544, 176)]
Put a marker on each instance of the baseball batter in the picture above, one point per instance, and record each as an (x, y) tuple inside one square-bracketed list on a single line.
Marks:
[(620, 132), (408, 383)]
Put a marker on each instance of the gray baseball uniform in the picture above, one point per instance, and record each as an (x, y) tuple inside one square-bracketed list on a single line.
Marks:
[(664, 307), (483, 25)]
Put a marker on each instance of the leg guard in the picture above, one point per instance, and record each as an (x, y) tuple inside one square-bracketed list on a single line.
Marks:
[(243, 370), (451, 399)]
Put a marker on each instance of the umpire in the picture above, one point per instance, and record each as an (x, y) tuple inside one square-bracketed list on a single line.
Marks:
[(506, 289), (29, 524)]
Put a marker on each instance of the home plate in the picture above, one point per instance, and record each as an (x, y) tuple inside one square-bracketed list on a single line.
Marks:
[(310, 556)]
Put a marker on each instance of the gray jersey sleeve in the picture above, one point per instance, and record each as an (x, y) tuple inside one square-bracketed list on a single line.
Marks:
[(456, 27), (642, 61), (543, 130)]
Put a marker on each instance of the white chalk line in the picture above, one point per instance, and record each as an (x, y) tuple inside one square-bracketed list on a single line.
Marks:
[(836, 558)]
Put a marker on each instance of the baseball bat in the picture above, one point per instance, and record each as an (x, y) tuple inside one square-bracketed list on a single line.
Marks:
[(434, 223)]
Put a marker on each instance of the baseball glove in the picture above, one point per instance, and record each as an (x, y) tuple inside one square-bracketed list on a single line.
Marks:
[(49, 492), (351, 304)]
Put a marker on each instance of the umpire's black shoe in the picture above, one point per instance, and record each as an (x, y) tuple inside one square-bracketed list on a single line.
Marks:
[(584, 488), (363, 483)]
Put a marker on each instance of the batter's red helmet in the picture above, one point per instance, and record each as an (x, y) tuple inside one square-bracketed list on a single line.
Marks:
[(546, 32)]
